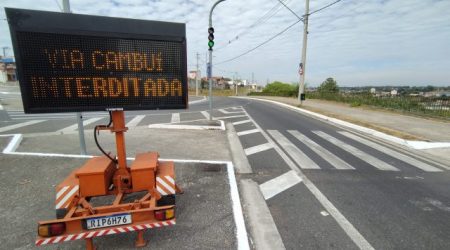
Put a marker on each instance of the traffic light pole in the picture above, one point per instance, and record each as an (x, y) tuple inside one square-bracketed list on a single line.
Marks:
[(210, 62), (302, 70)]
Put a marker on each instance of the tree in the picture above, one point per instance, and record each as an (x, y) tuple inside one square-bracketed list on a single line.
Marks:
[(328, 86)]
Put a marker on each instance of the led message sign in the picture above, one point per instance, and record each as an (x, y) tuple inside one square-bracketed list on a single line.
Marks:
[(69, 62)]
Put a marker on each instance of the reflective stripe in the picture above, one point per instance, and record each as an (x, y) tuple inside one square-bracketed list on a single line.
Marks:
[(160, 190), (170, 179), (60, 192), (67, 196), (92, 234), (164, 183)]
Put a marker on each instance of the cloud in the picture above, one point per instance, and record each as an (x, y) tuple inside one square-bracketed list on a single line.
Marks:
[(357, 42)]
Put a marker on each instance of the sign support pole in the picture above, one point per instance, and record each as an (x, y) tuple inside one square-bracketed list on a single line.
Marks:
[(66, 9)]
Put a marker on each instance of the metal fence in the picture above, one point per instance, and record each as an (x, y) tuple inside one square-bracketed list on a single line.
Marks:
[(438, 106)]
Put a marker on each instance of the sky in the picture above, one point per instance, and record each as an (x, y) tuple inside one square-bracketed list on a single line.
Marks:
[(358, 43)]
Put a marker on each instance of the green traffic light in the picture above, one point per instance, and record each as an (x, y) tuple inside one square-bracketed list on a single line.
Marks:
[(210, 44)]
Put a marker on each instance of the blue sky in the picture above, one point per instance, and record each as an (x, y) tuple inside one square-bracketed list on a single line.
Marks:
[(369, 42)]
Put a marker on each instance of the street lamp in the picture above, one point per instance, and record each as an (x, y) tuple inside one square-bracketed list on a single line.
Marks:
[(211, 45)]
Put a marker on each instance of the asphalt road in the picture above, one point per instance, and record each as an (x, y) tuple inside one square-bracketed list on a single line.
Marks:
[(349, 191), (399, 205)]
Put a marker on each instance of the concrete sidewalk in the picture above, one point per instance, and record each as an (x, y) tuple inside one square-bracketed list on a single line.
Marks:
[(396, 124)]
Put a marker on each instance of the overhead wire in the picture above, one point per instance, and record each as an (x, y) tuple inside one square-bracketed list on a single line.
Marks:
[(59, 6), (264, 18), (295, 14), (270, 39), (278, 34), (326, 6)]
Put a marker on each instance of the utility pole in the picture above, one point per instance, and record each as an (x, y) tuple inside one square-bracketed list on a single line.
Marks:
[(210, 59), (4, 51), (253, 78), (79, 115), (235, 82), (196, 78), (302, 69)]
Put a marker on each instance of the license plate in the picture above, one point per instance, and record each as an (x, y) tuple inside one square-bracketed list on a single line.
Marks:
[(108, 221)]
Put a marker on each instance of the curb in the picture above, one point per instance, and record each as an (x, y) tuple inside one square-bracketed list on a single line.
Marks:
[(408, 143), (238, 156)]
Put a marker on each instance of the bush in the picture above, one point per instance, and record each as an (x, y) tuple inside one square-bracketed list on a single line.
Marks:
[(355, 103), (280, 89)]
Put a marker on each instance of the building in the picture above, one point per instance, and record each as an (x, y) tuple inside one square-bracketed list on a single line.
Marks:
[(8, 70)]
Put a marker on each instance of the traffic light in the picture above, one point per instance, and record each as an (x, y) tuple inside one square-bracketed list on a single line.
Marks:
[(211, 38)]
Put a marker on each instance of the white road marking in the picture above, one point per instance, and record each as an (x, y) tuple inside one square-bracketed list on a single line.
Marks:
[(299, 157), (75, 126), (175, 118), (13, 144), (193, 127), (229, 117), (135, 121), (229, 112), (205, 114), (247, 132), (416, 163), (241, 122), (322, 152), (241, 231), (19, 125), (348, 228), (438, 204), (258, 148), (381, 165), (197, 101), (324, 213), (279, 184)]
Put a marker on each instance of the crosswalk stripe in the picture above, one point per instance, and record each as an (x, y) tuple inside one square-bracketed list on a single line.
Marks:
[(135, 121), (279, 184), (358, 153), (241, 122), (75, 126), (205, 114), (258, 148), (19, 125), (388, 151), (175, 118), (322, 152), (299, 157), (247, 132)]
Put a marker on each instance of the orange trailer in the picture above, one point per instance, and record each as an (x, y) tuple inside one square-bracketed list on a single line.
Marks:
[(143, 195)]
